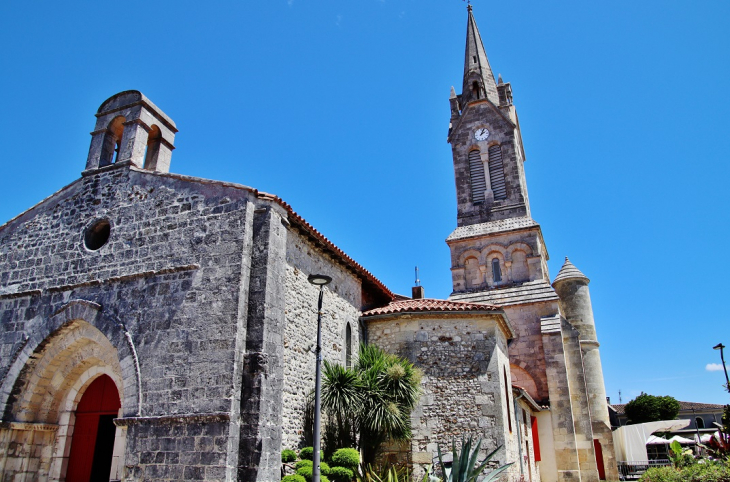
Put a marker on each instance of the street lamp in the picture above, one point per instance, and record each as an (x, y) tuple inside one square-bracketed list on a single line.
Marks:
[(720, 347), (318, 280)]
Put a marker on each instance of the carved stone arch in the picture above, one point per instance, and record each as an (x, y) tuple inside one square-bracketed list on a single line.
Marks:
[(469, 253), (520, 246), (75, 338), (522, 378), (494, 142), (486, 251)]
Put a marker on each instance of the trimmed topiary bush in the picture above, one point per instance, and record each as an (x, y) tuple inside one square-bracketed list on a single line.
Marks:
[(306, 472), (341, 474), (348, 458), (288, 455), (307, 453), (302, 463), (293, 478)]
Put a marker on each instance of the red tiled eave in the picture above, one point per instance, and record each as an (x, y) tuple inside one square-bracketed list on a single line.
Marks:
[(429, 305), (327, 245)]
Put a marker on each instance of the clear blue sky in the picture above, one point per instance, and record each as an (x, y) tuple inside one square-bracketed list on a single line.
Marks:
[(341, 108)]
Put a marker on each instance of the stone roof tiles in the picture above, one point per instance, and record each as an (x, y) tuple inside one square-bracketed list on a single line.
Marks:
[(529, 292), (499, 225), (428, 305), (569, 271)]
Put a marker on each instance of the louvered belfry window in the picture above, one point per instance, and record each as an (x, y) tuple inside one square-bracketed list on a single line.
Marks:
[(478, 181), (496, 173)]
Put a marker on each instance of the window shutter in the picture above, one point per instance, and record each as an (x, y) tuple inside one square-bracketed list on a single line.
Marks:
[(478, 181), (496, 173)]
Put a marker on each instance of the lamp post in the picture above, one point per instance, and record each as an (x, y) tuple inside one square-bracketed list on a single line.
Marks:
[(318, 280), (720, 347)]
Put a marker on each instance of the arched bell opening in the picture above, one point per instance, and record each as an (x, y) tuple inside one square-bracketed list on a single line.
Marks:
[(152, 151), (112, 142)]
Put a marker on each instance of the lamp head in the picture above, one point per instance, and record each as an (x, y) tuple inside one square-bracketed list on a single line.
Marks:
[(319, 279), (719, 346)]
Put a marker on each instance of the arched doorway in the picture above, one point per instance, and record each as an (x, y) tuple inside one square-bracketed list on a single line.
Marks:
[(92, 444)]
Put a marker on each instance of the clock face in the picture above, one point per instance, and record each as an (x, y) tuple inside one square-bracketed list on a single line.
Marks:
[(481, 134)]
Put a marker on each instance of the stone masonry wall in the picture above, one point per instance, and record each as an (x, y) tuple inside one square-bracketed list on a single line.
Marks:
[(169, 278), (463, 360), (340, 306)]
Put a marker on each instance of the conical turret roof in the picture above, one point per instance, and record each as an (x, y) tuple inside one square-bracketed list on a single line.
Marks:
[(569, 271)]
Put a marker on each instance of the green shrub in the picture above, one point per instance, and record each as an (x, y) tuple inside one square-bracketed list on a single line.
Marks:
[(306, 472), (302, 463), (348, 458), (307, 453), (288, 455), (706, 472), (703, 471), (341, 474), (293, 478), (661, 474)]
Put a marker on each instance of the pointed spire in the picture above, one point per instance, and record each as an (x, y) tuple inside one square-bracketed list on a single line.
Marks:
[(452, 95), (569, 271), (499, 80), (476, 66)]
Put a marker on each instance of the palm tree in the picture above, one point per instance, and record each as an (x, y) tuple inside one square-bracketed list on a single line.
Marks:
[(370, 403)]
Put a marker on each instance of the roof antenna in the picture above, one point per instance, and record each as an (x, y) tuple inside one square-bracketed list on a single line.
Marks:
[(619, 397), (418, 281)]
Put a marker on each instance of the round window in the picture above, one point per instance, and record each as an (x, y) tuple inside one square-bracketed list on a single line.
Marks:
[(97, 235)]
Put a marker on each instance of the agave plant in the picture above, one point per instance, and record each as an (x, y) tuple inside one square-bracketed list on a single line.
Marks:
[(465, 466)]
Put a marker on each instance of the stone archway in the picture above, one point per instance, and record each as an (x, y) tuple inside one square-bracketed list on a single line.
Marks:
[(47, 393)]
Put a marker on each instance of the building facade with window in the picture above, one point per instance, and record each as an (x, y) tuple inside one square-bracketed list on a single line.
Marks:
[(158, 326)]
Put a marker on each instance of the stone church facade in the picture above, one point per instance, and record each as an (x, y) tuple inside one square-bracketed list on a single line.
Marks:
[(155, 326)]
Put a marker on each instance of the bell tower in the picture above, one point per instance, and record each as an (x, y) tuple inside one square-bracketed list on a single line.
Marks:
[(485, 139), (496, 242)]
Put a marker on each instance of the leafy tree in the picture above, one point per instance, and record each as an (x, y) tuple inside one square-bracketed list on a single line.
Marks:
[(650, 408), (369, 403)]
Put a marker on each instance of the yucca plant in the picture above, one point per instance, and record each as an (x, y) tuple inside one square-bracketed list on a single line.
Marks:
[(465, 466)]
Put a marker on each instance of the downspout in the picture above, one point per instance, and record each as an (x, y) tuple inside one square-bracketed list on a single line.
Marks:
[(518, 426)]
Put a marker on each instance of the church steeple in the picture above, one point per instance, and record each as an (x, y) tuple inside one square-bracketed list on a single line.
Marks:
[(478, 76)]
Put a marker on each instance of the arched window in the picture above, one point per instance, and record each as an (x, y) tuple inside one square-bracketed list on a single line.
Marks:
[(478, 180), (496, 173), (348, 346), (475, 89), (153, 147), (496, 270), (699, 423), (112, 141)]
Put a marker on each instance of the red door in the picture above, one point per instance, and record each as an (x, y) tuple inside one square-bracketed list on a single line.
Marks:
[(599, 459), (92, 444)]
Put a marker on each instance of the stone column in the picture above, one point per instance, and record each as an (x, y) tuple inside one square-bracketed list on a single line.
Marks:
[(134, 143), (259, 457), (561, 409)]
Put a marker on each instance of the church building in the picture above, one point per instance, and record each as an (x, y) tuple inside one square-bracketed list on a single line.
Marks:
[(156, 326)]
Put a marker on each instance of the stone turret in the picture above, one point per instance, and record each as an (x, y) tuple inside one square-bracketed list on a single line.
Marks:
[(131, 130), (575, 305)]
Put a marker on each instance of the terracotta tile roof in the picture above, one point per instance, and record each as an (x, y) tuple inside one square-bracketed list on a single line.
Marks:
[(328, 246), (426, 305), (688, 406)]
